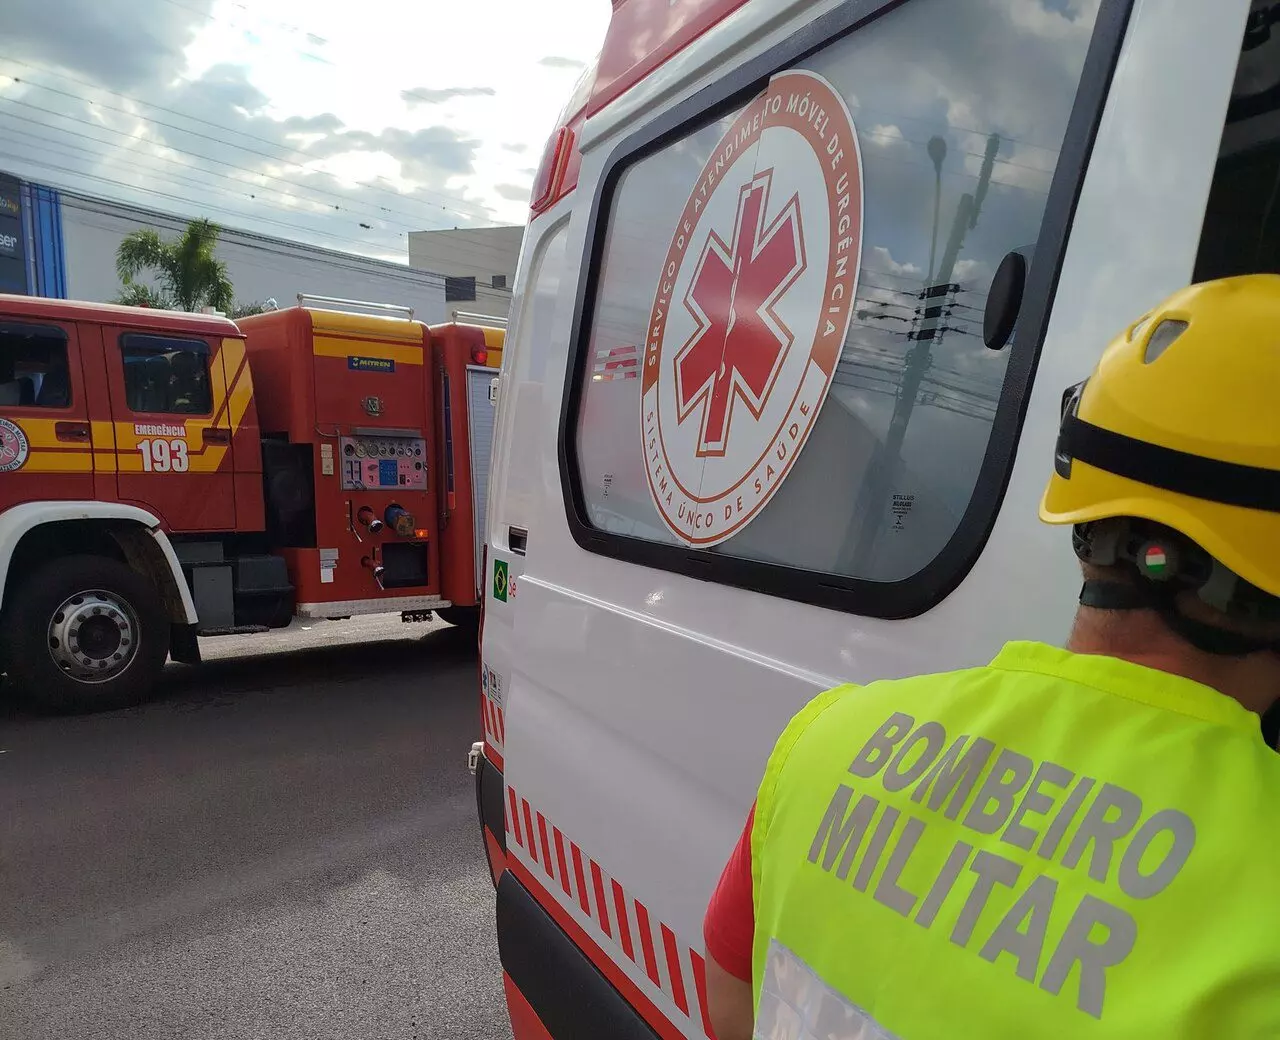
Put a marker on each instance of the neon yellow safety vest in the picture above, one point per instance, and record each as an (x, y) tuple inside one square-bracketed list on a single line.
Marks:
[(1056, 845)]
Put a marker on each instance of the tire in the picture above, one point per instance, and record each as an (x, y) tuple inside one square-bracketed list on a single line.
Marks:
[(465, 618), (84, 633)]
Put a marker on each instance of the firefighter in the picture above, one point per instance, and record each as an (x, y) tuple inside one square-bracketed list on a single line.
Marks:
[(1066, 842)]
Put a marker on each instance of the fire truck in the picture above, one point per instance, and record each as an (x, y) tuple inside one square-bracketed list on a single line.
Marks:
[(800, 292), (166, 476)]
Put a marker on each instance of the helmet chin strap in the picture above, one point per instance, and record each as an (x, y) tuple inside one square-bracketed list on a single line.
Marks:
[(1209, 639)]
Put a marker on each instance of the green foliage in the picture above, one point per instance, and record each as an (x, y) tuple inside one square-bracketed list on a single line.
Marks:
[(190, 274), (244, 310), (138, 295)]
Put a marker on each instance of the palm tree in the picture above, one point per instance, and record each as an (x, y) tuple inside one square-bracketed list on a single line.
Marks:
[(189, 273), (136, 294), (245, 310)]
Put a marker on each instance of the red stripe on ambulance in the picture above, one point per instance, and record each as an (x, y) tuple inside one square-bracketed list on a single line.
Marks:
[(649, 943)]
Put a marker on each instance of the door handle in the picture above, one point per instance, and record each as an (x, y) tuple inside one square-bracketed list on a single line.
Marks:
[(517, 540), (214, 435), (71, 431)]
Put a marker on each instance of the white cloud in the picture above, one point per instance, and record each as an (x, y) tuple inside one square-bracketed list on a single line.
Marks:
[(294, 118), (556, 61), (975, 271), (884, 135), (434, 96), (882, 260)]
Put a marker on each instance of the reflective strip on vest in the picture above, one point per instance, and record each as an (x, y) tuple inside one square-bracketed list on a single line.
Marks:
[(795, 1004)]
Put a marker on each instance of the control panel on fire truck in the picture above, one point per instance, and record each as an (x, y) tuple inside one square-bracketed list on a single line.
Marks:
[(384, 461)]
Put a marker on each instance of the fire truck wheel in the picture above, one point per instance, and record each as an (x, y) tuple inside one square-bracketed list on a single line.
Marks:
[(84, 633)]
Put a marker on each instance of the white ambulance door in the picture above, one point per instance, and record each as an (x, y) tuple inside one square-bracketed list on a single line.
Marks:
[(517, 479)]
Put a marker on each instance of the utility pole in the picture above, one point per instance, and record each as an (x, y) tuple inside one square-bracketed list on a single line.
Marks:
[(937, 148), (927, 328)]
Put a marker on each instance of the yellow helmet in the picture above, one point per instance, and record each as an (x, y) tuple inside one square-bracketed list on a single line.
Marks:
[(1180, 424)]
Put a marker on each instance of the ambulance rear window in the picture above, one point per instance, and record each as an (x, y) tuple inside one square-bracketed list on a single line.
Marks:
[(781, 379)]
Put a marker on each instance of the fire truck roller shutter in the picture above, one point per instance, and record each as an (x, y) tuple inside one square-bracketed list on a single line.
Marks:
[(288, 475)]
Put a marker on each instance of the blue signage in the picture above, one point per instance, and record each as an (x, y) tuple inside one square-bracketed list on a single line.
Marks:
[(370, 364), (13, 251)]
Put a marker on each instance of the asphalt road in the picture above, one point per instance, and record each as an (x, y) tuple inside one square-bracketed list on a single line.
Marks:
[(282, 845)]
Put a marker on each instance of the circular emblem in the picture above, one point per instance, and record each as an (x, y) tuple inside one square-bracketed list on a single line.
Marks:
[(751, 309), (13, 446)]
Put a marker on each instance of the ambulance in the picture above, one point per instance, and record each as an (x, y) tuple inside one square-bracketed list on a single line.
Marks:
[(800, 294)]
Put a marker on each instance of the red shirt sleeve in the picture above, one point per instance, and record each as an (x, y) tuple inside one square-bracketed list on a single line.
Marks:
[(729, 926)]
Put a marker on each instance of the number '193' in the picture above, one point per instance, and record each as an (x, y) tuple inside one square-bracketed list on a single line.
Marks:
[(160, 456)]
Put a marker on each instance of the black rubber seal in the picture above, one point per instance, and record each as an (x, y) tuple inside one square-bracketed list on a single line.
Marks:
[(573, 999), (489, 793)]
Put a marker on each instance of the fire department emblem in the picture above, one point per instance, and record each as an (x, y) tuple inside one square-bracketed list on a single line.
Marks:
[(13, 446), (751, 309)]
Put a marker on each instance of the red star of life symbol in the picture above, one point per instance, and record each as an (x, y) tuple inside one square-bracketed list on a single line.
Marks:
[(740, 343)]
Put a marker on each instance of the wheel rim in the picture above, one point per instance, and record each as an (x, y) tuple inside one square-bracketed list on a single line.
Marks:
[(93, 637)]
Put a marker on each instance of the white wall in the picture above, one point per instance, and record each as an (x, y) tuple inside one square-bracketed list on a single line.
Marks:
[(259, 267), (481, 252), (478, 253)]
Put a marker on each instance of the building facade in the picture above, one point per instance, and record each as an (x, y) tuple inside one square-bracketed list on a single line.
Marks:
[(61, 244), (478, 265)]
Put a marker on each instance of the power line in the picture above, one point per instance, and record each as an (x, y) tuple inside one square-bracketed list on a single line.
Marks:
[(167, 195), (897, 116), (78, 152), (900, 137), (178, 219), (477, 209), (207, 158), (475, 248)]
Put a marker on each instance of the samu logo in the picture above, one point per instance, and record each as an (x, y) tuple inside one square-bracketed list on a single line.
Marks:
[(751, 308)]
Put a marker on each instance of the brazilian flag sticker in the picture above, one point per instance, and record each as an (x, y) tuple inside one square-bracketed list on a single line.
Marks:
[(500, 580)]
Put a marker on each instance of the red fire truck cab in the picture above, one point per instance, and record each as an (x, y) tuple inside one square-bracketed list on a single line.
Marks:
[(165, 476)]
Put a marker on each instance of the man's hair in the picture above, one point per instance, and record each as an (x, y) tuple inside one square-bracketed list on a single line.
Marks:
[(1189, 605)]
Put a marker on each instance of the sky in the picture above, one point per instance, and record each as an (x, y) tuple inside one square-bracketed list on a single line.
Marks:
[(342, 125)]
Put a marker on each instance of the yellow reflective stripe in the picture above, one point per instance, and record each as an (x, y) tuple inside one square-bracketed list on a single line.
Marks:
[(370, 325), (241, 390), (115, 445), (232, 356), (50, 455), (211, 458), (238, 400), (58, 462), (104, 446), (128, 438), (41, 433), (344, 348)]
